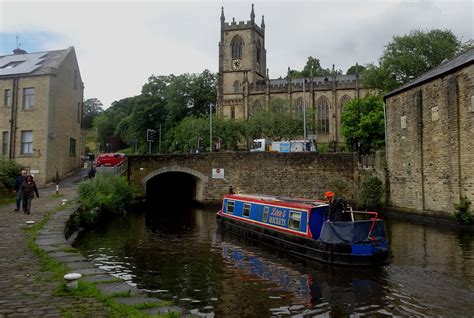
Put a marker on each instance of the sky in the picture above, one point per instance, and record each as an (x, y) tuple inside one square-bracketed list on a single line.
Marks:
[(119, 44)]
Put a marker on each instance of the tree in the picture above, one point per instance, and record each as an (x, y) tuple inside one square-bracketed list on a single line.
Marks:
[(363, 123), (409, 56), (311, 64), (92, 107), (356, 69)]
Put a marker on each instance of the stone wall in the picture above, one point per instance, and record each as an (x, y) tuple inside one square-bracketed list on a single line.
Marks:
[(289, 174), (430, 144)]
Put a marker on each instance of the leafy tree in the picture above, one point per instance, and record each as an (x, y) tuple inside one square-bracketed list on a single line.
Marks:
[(92, 107), (408, 56), (315, 65), (275, 123), (356, 69), (363, 123)]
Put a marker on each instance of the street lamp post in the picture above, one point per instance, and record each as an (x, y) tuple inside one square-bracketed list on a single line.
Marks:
[(304, 113)]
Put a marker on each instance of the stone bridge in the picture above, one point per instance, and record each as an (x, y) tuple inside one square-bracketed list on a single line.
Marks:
[(206, 177)]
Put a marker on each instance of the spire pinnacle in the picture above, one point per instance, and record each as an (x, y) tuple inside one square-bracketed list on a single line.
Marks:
[(263, 22), (252, 15), (222, 15)]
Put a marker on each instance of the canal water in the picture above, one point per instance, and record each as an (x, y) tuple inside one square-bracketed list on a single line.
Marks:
[(179, 255)]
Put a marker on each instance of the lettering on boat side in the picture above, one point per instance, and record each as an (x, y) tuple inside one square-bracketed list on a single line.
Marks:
[(277, 217)]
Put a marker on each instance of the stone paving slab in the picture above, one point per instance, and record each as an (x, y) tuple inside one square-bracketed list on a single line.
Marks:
[(163, 310), (137, 300), (99, 278), (117, 287), (78, 265), (70, 258), (90, 271)]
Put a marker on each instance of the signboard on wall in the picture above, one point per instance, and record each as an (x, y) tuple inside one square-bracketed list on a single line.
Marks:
[(218, 173)]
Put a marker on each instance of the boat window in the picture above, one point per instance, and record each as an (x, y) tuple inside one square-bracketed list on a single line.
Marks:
[(265, 214), (230, 207), (295, 220), (246, 211)]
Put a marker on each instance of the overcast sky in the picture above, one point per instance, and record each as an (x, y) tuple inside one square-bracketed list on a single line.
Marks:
[(119, 44)]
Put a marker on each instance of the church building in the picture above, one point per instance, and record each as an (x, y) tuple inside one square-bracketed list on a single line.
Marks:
[(244, 84)]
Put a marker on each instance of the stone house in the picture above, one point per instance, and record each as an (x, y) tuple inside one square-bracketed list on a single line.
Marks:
[(41, 97), (429, 138), (244, 84)]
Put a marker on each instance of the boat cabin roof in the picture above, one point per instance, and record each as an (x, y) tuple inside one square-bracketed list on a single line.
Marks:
[(264, 198)]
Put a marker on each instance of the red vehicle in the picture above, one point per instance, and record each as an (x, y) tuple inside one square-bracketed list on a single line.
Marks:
[(110, 159)]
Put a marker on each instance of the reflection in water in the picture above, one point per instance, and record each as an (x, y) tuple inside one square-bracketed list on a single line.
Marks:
[(179, 255)]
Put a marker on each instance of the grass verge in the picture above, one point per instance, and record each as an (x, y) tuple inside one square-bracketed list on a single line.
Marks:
[(6, 201), (84, 289)]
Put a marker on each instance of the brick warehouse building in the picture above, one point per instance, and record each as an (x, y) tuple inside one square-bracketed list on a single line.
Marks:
[(430, 144), (244, 84), (41, 98)]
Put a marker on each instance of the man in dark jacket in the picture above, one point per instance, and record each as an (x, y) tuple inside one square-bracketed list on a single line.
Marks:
[(18, 183)]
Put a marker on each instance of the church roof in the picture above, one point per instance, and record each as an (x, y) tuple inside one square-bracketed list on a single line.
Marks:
[(317, 79), (452, 65), (38, 63)]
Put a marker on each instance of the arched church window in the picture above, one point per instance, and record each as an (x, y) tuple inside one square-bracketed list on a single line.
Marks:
[(259, 52), (256, 107), (343, 101), (232, 112), (299, 104), (236, 46), (322, 114), (236, 87)]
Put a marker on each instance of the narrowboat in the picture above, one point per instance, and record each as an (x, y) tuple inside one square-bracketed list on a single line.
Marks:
[(312, 229)]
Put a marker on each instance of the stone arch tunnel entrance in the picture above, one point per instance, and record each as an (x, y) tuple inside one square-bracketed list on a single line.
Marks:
[(174, 187)]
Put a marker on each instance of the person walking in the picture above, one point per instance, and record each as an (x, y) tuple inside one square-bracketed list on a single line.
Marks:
[(28, 190), (18, 183)]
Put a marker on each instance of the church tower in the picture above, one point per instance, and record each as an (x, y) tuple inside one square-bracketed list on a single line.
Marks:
[(242, 62)]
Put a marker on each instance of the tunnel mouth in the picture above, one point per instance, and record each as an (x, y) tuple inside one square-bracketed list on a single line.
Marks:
[(172, 189)]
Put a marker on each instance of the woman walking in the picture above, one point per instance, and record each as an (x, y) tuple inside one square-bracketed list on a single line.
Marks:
[(28, 190)]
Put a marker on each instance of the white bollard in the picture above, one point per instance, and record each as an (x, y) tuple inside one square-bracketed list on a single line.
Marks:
[(64, 201), (72, 279), (29, 223)]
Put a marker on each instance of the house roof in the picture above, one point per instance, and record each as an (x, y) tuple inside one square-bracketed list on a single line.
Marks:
[(316, 79), (452, 65), (39, 63)]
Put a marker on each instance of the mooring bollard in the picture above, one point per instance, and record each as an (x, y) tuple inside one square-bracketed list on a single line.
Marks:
[(64, 201), (72, 279), (29, 223)]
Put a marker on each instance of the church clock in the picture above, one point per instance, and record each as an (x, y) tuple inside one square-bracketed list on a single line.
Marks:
[(236, 64)]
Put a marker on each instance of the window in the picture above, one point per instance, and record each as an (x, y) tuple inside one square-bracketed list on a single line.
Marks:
[(72, 146), (246, 211), (403, 122), (265, 214), (236, 87), (343, 101), (259, 52), (26, 142), (13, 64), (229, 207), (236, 46), (28, 98), (232, 112), (7, 98), (5, 143), (322, 108), (295, 220), (299, 104)]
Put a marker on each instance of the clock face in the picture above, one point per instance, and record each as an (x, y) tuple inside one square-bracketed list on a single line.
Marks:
[(236, 64)]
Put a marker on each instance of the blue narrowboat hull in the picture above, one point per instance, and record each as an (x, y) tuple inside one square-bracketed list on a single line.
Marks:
[(316, 250)]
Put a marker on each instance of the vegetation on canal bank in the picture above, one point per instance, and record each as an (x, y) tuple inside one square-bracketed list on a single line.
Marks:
[(9, 171), (462, 213), (84, 289), (107, 194)]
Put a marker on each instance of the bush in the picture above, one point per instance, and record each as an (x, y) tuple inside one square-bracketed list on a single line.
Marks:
[(462, 213), (107, 193), (9, 171), (371, 191)]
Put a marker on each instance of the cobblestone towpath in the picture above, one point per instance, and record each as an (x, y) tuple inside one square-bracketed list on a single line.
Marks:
[(28, 291)]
